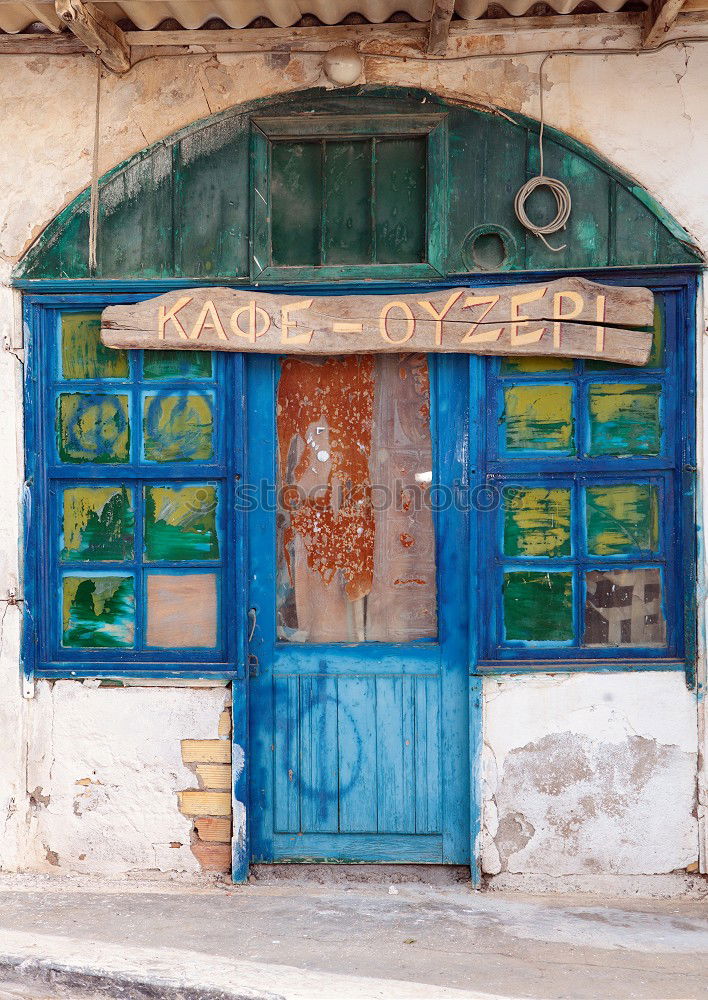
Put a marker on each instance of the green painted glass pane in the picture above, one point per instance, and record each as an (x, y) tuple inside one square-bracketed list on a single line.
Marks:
[(98, 523), (624, 419), (180, 522), (400, 200), (623, 518), (93, 427), (624, 607), (536, 521), (296, 202), (538, 607), (82, 353), (178, 427), (538, 418), (532, 366), (98, 611), (347, 182), (656, 357), (177, 364)]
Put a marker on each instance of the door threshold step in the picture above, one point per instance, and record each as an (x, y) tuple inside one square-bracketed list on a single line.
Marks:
[(338, 874)]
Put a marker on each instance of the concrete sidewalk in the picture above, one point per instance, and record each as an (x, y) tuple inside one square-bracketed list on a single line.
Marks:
[(63, 937)]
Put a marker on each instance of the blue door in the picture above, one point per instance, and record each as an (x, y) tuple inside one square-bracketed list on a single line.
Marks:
[(358, 562)]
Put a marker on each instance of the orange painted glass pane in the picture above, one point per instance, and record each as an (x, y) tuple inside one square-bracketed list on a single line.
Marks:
[(181, 610)]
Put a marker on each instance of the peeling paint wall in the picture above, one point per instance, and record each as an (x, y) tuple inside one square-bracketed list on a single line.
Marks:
[(584, 773), (104, 775), (589, 774)]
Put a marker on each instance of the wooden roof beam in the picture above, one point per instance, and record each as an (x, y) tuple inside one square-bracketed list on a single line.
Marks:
[(658, 19), (97, 32), (440, 26)]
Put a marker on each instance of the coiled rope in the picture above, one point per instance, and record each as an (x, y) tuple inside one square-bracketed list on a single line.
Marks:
[(564, 202)]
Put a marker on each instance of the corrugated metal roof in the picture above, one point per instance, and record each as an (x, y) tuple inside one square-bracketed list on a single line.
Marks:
[(148, 14)]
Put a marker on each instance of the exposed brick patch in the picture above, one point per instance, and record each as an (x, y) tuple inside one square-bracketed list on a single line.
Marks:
[(210, 805)]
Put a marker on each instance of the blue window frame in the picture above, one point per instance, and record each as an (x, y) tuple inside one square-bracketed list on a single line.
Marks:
[(133, 539), (662, 475), (587, 472)]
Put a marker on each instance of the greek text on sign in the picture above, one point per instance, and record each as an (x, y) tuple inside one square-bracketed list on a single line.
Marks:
[(567, 318)]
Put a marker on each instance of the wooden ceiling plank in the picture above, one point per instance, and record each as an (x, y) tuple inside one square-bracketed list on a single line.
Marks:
[(440, 26), (98, 33), (503, 36), (658, 19)]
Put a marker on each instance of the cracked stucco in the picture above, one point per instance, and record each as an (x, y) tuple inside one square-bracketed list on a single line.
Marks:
[(108, 766), (589, 774)]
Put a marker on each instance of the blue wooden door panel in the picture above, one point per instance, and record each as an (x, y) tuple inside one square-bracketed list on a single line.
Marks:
[(356, 847), (360, 751), (427, 755), (319, 784), (358, 786), (286, 698)]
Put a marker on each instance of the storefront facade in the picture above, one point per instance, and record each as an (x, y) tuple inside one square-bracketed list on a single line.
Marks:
[(484, 653)]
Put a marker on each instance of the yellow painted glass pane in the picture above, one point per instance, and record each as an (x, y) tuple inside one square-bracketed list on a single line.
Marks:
[(98, 611), (534, 365), (93, 427), (622, 519), (178, 427), (82, 353), (538, 418), (180, 522), (97, 523), (536, 521), (624, 419)]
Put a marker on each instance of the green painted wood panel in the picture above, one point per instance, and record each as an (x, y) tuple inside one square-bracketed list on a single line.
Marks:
[(346, 202), (296, 196), (182, 207), (211, 170), (587, 235), (400, 187), (136, 235)]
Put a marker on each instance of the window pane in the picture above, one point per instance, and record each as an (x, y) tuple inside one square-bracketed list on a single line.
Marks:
[(624, 607), (624, 419), (98, 611), (622, 519), (356, 551), (82, 353), (531, 365), (536, 521), (181, 610), (178, 426), (98, 523), (538, 606), (296, 202), (177, 364), (400, 198), (180, 522), (93, 427), (538, 418), (348, 209)]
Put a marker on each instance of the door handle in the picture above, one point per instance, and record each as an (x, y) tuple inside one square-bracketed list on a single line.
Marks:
[(252, 617)]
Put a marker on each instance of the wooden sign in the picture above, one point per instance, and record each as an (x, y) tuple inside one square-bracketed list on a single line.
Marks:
[(567, 318)]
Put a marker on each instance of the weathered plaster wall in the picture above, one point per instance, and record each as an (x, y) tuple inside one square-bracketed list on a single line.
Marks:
[(589, 774), (104, 775), (632, 739)]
